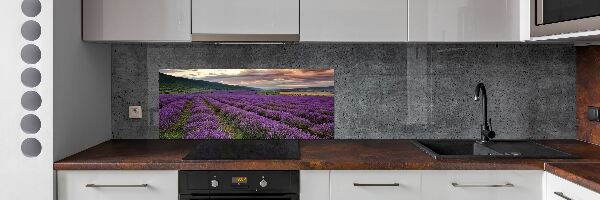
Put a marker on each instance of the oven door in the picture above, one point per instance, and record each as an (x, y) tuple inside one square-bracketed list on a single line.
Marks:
[(240, 197), (552, 17)]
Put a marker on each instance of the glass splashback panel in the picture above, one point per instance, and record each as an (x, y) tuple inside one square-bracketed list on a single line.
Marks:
[(246, 103)]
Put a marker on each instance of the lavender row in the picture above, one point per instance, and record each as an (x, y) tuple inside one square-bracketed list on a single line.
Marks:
[(170, 113), (313, 113), (317, 103), (324, 131), (166, 99), (323, 128), (284, 117), (256, 126), (203, 122)]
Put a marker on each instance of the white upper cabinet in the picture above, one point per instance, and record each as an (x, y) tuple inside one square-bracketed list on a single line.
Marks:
[(468, 20), (245, 20), (307, 20), (136, 20), (353, 20)]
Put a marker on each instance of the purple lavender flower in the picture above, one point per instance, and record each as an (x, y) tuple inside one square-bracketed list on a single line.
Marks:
[(201, 125), (258, 116), (323, 130), (203, 122), (207, 134), (170, 113), (259, 127)]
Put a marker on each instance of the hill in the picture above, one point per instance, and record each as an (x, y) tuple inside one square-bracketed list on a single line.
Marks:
[(171, 84), (311, 89)]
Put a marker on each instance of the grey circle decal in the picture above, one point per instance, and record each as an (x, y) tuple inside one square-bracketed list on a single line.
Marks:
[(31, 77), (31, 8), (31, 124), (31, 147), (31, 30), (31, 100), (31, 54)]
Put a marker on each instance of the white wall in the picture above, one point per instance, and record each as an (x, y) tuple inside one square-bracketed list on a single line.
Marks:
[(21, 177), (82, 82), (82, 75)]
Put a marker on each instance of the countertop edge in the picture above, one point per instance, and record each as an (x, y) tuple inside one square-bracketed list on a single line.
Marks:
[(268, 165), (573, 177)]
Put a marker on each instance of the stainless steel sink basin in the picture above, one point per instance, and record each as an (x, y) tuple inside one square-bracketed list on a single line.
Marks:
[(470, 149)]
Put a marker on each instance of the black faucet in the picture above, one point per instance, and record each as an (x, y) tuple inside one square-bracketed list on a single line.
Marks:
[(486, 129)]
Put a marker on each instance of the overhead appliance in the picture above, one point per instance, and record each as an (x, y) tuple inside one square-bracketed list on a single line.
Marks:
[(557, 17)]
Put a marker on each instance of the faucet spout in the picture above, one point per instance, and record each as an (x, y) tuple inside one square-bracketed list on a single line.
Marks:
[(486, 131)]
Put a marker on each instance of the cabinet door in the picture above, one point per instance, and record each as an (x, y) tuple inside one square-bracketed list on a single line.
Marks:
[(468, 20), (136, 20), (561, 189), (231, 17), (353, 20), (374, 184), (482, 185), (314, 185), (117, 185)]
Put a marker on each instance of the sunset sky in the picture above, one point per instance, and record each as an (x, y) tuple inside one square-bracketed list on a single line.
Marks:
[(260, 78)]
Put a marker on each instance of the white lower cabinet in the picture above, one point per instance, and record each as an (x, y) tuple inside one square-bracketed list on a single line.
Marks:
[(117, 185), (375, 185), (560, 189), (341, 185), (435, 185), (314, 184), (482, 185)]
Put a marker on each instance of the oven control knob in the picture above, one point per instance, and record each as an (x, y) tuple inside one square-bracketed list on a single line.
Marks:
[(263, 183), (214, 183)]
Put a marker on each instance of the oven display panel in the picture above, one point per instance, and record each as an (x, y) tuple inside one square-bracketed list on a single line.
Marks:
[(239, 181)]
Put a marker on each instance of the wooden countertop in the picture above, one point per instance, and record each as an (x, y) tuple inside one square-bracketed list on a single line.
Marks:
[(314, 154), (584, 174), (332, 155)]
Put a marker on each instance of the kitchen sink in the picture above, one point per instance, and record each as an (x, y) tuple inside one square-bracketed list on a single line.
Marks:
[(472, 149)]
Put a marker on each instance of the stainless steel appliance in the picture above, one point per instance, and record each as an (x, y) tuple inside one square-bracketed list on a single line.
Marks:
[(234, 185), (553, 17)]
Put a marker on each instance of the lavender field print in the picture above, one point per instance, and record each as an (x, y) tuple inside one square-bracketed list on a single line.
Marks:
[(246, 103)]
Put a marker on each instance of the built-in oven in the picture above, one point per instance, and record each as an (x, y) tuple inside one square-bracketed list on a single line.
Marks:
[(237, 185), (553, 17)]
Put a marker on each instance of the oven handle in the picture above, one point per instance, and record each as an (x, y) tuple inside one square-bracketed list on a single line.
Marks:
[(245, 196)]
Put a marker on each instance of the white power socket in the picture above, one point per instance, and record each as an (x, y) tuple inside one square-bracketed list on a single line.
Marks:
[(135, 112)]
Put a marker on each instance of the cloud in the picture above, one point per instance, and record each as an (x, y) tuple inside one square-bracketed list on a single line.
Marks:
[(261, 78), (169, 71)]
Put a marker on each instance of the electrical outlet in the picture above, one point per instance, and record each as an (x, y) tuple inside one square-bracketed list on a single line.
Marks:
[(135, 112), (593, 114)]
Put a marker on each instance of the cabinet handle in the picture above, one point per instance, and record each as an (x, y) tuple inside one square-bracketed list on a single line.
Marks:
[(560, 194), (376, 184), (499, 185), (115, 186)]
